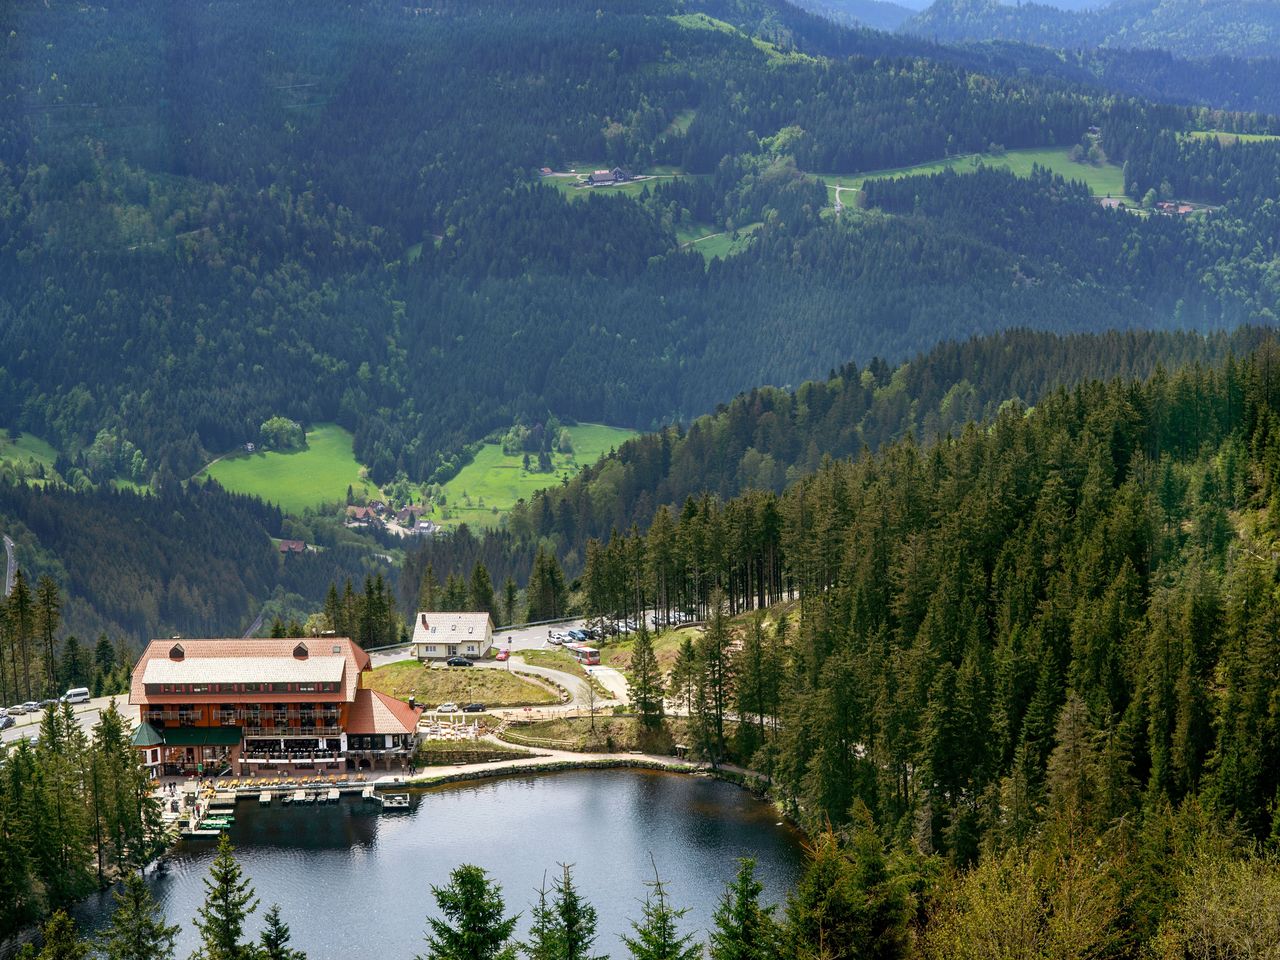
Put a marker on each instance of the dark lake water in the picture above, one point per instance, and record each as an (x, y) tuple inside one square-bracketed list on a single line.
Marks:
[(353, 883)]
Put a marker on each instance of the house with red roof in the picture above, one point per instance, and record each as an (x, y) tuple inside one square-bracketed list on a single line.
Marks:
[(285, 707)]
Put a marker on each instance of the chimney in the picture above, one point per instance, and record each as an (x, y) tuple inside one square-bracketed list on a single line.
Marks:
[(424, 621)]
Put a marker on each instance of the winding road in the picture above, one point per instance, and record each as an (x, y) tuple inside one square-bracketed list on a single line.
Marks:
[(11, 569)]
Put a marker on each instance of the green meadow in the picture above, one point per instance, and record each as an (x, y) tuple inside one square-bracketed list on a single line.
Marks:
[(298, 479), (712, 242), (1104, 181), (25, 456), (492, 482), (1230, 138)]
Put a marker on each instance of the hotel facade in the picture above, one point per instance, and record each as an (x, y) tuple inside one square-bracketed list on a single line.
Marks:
[(266, 707)]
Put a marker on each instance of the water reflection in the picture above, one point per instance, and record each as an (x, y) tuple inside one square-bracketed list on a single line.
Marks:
[(352, 883)]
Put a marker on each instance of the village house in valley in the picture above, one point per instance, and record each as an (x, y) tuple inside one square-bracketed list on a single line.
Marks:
[(266, 706), (437, 636)]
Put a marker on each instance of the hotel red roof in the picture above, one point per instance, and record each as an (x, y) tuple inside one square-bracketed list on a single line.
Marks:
[(207, 661), (375, 712)]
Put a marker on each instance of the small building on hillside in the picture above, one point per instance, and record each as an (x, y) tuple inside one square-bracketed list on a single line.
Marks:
[(293, 546), (437, 636)]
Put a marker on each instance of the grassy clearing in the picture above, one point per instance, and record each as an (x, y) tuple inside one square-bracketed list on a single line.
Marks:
[(680, 123), (27, 457), (1104, 181), (724, 244), (312, 477), (461, 685), (610, 734), (492, 482), (666, 647), (1230, 138)]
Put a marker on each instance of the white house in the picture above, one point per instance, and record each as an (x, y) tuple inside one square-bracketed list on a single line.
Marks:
[(440, 635)]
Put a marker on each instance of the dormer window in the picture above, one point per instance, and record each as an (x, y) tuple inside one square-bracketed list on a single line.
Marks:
[(176, 652), (300, 652)]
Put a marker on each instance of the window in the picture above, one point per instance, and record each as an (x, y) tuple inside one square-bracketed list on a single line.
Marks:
[(176, 652), (300, 651)]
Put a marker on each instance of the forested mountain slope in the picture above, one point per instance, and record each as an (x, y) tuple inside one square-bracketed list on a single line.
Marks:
[(210, 215), (769, 438), (1190, 28), (194, 561), (1046, 647)]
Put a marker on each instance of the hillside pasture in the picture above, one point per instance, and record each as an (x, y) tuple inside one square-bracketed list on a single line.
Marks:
[(296, 480), (1106, 180), (489, 486)]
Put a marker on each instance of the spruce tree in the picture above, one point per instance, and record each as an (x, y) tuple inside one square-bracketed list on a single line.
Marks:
[(645, 687), (564, 927), (137, 930), (229, 900), (62, 940), (744, 930), (480, 591), (510, 597), (657, 935), (275, 938), (473, 925)]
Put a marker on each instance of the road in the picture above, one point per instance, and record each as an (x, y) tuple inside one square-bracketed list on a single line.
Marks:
[(11, 569), (28, 726)]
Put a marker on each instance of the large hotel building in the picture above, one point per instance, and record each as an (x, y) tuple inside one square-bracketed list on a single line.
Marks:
[(266, 707)]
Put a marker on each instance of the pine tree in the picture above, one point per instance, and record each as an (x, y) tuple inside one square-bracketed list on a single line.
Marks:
[(645, 687), (480, 591), (657, 935), (473, 926), (744, 930), (21, 619), (510, 597), (564, 928), (275, 938), (72, 671), (229, 900), (48, 617), (137, 930), (61, 939)]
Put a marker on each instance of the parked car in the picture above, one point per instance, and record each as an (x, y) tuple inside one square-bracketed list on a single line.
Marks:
[(473, 708), (49, 703), (579, 636), (6, 722), (459, 662), (32, 706), (76, 695), (17, 710), (556, 638), (504, 655), (447, 708)]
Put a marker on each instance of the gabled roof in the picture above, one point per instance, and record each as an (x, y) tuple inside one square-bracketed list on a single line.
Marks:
[(337, 659), (375, 712), (147, 736), (451, 627)]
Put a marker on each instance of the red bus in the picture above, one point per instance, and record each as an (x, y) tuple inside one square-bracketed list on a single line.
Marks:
[(583, 654)]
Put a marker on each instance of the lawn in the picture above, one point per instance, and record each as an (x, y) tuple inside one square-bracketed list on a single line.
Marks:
[(666, 647), (610, 734), (1106, 180), (461, 685), (312, 477), (492, 482)]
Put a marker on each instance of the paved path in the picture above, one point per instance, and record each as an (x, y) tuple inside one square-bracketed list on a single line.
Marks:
[(11, 569), (613, 681)]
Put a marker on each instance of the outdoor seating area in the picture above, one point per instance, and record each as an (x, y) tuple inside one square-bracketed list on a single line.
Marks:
[(268, 782), (431, 729)]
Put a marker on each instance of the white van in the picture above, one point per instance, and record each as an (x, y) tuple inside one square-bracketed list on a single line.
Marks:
[(76, 695)]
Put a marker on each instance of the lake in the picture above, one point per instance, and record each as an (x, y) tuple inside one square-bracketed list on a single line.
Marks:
[(354, 883)]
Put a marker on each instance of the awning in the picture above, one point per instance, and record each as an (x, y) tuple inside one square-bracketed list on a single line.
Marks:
[(201, 736)]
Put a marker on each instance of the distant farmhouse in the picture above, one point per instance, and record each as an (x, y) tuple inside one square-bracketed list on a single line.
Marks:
[(437, 636), (293, 546), (605, 178)]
